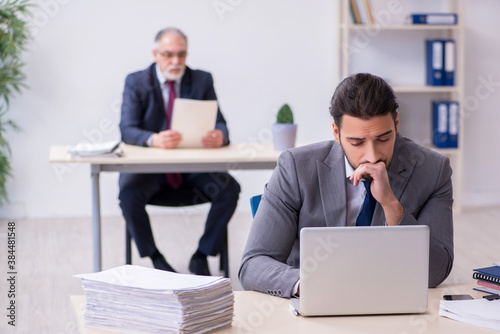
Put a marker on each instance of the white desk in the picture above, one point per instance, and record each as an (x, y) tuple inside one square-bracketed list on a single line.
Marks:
[(260, 313), (152, 160)]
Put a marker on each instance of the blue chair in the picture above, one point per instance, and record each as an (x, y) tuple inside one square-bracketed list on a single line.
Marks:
[(254, 203)]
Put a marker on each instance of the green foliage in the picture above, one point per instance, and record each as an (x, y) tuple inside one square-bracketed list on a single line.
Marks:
[(285, 115), (14, 35)]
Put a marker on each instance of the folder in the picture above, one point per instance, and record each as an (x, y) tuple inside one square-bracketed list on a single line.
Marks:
[(449, 62), (435, 18), (440, 124), (356, 18), (453, 122), (434, 62), (362, 11)]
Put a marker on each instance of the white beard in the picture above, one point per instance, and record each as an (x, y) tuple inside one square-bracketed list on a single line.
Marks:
[(171, 76)]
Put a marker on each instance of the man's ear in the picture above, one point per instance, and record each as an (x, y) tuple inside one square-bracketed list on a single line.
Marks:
[(396, 122), (336, 132)]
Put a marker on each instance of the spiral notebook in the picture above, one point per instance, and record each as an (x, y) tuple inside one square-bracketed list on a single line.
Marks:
[(193, 119)]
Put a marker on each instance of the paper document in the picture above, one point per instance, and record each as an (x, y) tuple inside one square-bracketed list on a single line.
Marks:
[(134, 299), (479, 312), (87, 149), (193, 119)]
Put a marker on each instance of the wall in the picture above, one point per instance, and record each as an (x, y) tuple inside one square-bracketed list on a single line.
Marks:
[(261, 53)]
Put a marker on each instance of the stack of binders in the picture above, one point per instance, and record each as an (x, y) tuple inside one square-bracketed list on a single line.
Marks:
[(488, 279), (445, 124), (440, 62), (135, 299)]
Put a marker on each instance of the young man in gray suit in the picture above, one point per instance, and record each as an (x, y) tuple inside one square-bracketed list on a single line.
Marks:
[(322, 185), (145, 121)]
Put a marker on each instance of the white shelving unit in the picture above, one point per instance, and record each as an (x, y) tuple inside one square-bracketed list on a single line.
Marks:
[(368, 48)]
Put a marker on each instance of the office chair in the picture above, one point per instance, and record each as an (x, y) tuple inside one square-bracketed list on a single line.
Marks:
[(254, 203), (182, 197)]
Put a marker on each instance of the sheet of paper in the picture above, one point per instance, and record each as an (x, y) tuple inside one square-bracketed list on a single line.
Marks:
[(193, 119), (479, 312)]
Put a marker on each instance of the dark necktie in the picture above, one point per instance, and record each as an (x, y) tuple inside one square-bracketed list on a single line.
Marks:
[(173, 179), (366, 214)]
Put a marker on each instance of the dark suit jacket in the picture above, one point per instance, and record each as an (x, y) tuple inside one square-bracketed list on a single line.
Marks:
[(307, 189), (143, 108)]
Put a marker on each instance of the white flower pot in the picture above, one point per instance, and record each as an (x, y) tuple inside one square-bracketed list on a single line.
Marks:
[(284, 136)]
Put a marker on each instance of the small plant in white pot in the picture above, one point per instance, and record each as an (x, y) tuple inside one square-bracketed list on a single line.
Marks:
[(284, 130)]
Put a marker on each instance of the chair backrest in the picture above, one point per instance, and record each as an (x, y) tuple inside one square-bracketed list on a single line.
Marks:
[(254, 204)]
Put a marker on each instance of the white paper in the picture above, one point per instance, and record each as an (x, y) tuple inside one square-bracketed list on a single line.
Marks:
[(150, 279), (193, 119), (479, 312), (90, 149), (135, 299)]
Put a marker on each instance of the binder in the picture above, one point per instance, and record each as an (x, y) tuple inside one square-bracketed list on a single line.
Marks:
[(449, 62), (453, 120), (489, 274), (435, 18), (362, 12), (434, 62), (355, 12), (440, 124), (369, 12)]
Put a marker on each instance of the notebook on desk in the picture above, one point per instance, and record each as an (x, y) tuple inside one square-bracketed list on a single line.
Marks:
[(363, 270)]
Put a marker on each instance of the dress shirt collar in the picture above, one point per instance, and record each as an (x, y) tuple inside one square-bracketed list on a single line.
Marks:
[(348, 169)]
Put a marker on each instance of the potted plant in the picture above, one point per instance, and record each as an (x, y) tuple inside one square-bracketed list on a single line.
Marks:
[(284, 130), (14, 34)]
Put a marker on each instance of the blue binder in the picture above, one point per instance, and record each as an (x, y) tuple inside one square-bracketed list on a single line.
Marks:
[(435, 18), (440, 124), (453, 124), (434, 62), (449, 62)]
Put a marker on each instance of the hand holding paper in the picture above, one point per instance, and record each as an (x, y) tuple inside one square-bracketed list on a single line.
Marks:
[(213, 139), (166, 139), (195, 121)]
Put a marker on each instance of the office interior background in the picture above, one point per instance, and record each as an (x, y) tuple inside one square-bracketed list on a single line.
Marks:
[(261, 53)]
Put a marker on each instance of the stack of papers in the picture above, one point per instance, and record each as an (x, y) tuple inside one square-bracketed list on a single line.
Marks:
[(89, 150), (479, 312), (136, 299)]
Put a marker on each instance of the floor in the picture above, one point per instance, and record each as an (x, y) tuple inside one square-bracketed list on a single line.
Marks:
[(50, 251)]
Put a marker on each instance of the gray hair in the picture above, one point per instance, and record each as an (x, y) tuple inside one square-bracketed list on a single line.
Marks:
[(169, 30)]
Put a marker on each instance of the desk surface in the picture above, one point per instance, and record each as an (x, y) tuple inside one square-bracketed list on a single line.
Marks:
[(149, 155), (260, 313)]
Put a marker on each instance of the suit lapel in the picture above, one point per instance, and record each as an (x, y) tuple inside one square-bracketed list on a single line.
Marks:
[(399, 173), (186, 85), (331, 179), (157, 96)]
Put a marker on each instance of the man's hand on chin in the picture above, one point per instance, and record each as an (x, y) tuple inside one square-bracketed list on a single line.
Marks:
[(380, 189)]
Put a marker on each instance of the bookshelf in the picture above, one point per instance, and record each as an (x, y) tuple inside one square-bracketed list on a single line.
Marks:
[(394, 48)]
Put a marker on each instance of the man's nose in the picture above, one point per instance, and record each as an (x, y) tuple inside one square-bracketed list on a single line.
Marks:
[(372, 155)]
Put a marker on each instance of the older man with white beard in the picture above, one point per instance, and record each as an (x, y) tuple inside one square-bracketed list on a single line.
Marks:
[(145, 121)]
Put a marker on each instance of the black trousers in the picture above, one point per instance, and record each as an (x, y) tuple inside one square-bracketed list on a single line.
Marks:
[(136, 190)]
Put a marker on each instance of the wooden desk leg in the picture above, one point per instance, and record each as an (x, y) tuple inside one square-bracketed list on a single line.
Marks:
[(96, 217)]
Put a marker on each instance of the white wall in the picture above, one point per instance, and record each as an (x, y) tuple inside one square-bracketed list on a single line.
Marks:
[(261, 53)]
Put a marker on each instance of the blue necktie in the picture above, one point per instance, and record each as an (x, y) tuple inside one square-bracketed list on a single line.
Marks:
[(366, 214)]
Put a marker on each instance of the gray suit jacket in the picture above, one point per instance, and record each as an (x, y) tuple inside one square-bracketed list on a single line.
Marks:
[(307, 189)]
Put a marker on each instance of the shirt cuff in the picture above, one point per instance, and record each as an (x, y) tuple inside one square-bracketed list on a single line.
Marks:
[(149, 142), (295, 289)]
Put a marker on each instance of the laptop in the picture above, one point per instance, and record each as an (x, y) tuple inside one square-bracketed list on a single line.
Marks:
[(363, 270)]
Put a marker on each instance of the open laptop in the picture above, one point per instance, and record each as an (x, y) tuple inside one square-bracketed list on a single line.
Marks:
[(363, 270)]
